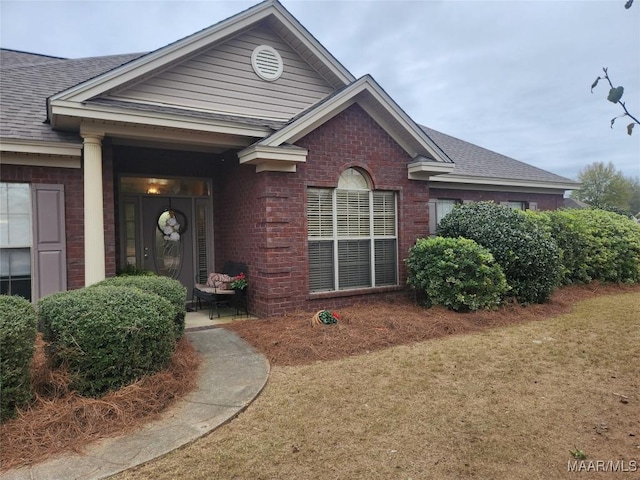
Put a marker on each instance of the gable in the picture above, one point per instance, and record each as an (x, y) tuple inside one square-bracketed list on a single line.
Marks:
[(270, 153), (222, 80)]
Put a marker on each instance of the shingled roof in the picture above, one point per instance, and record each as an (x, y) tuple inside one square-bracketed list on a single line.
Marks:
[(475, 161), (29, 79)]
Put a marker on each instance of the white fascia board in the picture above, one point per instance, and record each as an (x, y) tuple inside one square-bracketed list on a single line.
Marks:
[(312, 44), (400, 116), (164, 55), (181, 48), (344, 99), (34, 147), (504, 182), (424, 170), (101, 113), (30, 160), (273, 159), (163, 135), (316, 117)]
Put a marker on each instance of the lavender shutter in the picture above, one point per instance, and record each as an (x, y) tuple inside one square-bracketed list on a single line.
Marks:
[(49, 244)]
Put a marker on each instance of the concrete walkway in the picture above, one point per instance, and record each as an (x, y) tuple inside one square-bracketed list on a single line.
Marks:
[(232, 374)]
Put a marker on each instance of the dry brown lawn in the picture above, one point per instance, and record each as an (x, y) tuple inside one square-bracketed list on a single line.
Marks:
[(506, 402)]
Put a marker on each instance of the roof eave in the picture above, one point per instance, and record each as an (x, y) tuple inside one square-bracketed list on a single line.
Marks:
[(504, 182), (38, 147), (96, 112)]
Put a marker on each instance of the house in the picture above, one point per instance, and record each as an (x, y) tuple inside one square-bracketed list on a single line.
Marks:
[(249, 142)]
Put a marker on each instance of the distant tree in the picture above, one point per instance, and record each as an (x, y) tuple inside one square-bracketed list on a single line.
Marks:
[(634, 203), (603, 186)]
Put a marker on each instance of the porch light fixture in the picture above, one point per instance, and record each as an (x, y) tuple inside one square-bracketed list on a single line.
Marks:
[(153, 189)]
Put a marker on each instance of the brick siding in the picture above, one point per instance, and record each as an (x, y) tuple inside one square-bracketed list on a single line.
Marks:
[(545, 201), (261, 218), (72, 179)]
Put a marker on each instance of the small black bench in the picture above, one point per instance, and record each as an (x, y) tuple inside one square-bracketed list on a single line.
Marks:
[(216, 297)]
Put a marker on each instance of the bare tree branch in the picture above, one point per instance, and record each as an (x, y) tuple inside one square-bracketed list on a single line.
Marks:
[(615, 95)]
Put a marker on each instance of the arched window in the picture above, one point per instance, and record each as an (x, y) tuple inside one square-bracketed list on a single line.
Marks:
[(352, 235)]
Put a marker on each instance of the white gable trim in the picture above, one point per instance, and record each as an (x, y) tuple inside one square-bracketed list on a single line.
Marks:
[(175, 51), (273, 159), (374, 100)]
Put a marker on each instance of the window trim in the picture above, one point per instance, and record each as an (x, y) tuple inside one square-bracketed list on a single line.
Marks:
[(521, 205), (336, 239), (434, 218)]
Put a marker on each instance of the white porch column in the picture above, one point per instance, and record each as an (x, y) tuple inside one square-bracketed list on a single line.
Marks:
[(94, 249)]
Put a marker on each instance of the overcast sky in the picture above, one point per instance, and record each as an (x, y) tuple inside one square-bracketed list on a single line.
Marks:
[(511, 76)]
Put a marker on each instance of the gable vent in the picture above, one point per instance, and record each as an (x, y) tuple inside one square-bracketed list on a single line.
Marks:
[(267, 63)]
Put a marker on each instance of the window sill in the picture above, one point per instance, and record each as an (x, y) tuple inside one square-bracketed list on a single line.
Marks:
[(354, 292)]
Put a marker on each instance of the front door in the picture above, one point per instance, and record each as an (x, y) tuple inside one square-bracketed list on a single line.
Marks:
[(167, 237)]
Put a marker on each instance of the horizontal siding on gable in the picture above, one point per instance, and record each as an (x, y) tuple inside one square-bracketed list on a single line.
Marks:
[(222, 80)]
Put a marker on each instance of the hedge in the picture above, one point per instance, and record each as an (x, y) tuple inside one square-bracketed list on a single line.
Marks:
[(17, 339), (170, 289), (106, 337), (595, 244), (528, 255), (457, 273)]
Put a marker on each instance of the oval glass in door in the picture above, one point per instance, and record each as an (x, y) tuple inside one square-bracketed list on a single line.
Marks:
[(168, 244)]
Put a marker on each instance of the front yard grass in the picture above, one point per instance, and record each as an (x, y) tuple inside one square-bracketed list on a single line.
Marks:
[(503, 403)]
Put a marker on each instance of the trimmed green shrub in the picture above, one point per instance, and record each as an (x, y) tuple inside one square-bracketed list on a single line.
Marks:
[(595, 244), (17, 338), (457, 273), (131, 270), (106, 337), (570, 235), (527, 254), (167, 288)]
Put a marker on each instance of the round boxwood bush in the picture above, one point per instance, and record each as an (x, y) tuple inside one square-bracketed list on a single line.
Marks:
[(106, 337), (17, 337), (170, 289), (527, 254), (457, 273)]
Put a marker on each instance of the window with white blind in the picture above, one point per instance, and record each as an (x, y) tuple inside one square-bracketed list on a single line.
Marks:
[(352, 235), (515, 205), (15, 239), (444, 207)]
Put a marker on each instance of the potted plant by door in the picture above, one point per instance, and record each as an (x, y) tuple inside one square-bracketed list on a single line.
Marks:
[(239, 285)]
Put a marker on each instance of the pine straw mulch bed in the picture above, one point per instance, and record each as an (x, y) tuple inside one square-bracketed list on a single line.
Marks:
[(292, 340), (60, 420)]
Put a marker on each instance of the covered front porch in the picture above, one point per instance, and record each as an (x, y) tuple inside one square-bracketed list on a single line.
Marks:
[(175, 212), (222, 207)]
